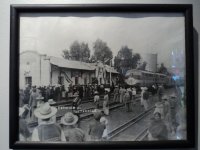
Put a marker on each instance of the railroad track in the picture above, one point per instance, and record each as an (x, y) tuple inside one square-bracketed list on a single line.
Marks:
[(142, 135), (69, 102), (82, 116), (112, 106), (128, 124)]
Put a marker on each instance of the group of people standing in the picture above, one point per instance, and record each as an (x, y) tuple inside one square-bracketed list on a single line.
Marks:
[(48, 130), (126, 96), (169, 120), (168, 117)]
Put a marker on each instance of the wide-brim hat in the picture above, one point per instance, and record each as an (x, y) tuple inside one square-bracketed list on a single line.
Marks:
[(69, 119), (97, 113), (165, 97), (144, 88), (45, 111), (51, 101), (106, 90), (39, 98), (173, 95), (76, 94), (159, 104)]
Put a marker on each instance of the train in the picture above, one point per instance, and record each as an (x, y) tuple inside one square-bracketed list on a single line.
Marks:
[(135, 77)]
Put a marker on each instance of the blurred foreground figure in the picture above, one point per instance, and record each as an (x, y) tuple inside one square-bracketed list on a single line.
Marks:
[(72, 133), (157, 129), (24, 133), (96, 128), (47, 130)]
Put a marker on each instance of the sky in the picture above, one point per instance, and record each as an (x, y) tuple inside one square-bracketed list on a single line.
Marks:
[(159, 33)]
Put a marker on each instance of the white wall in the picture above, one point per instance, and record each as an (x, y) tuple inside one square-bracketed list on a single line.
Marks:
[(4, 49)]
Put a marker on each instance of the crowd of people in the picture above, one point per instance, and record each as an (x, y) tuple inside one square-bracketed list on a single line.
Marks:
[(36, 102), (169, 119)]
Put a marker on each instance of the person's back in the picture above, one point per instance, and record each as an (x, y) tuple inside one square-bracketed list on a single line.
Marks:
[(33, 100), (96, 98), (49, 132), (96, 130), (126, 97), (74, 135)]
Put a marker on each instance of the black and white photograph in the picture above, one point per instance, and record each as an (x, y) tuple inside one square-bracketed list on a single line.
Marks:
[(95, 77)]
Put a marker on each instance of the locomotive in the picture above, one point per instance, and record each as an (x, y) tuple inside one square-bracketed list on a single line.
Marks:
[(135, 77)]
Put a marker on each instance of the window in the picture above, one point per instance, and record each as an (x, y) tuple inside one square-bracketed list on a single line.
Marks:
[(28, 80)]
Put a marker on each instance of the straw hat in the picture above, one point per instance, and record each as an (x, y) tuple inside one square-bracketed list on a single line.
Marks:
[(97, 114), (51, 101), (45, 111), (159, 105), (144, 88), (173, 95), (40, 98), (69, 119), (164, 97), (95, 92)]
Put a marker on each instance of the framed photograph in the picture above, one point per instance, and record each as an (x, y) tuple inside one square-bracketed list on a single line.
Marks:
[(102, 76)]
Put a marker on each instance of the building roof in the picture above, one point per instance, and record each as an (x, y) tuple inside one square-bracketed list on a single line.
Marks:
[(72, 64), (64, 63)]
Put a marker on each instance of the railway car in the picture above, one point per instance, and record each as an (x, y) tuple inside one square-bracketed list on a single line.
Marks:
[(140, 78)]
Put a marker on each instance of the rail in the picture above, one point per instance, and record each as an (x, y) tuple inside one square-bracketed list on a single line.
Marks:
[(142, 135), (128, 124), (112, 105)]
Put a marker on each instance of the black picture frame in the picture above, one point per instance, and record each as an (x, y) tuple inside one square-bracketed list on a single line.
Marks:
[(186, 9)]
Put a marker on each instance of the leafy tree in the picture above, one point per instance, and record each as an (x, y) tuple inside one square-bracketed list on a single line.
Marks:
[(66, 54), (126, 60), (77, 51), (84, 52), (101, 51)]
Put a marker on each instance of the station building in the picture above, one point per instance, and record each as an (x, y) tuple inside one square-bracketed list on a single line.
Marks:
[(42, 70)]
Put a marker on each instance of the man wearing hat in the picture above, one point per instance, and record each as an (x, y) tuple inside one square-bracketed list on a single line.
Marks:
[(47, 130), (166, 106), (24, 133), (106, 103), (116, 94), (160, 92), (33, 102), (167, 116), (72, 133), (96, 99), (96, 128), (157, 129), (145, 97)]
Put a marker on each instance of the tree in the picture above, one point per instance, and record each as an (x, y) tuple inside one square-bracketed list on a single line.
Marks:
[(84, 52), (143, 66), (126, 60), (77, 51), (101, 51), (66, 54)]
